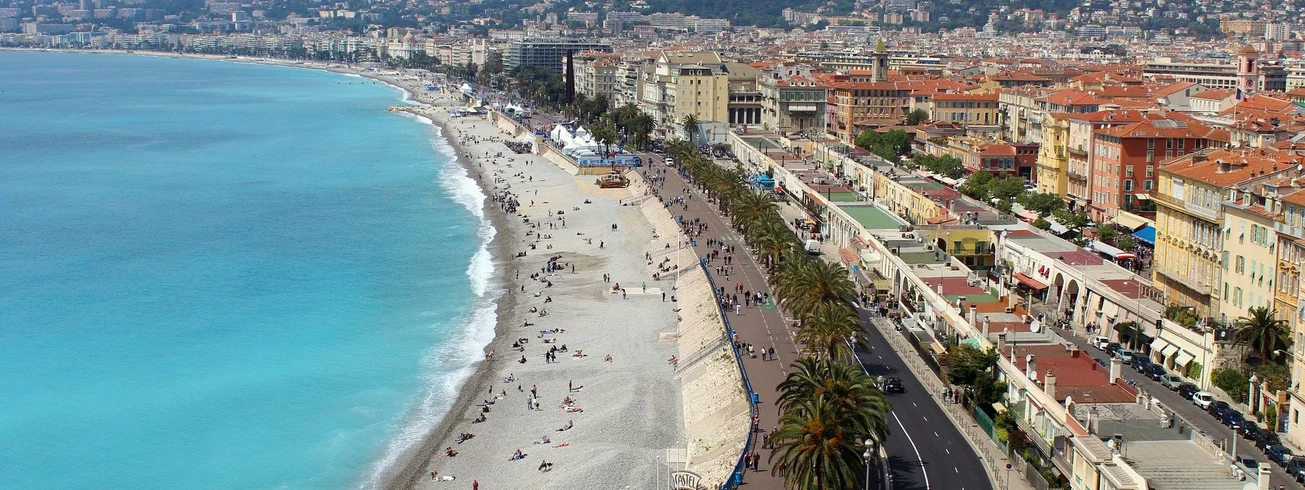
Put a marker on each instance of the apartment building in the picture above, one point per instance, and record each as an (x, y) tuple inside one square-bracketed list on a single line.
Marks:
[(547, 54), (1125, 157), (1290, 228), (793, 104), (1079, 148), (595, 75), (1197, 246), (1053, 155)]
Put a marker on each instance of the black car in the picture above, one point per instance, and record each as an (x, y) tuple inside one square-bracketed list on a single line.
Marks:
[(894, 385), (1249, 430), (1218, 408), (1296, 468), (1232, 418), (1186, 390), (1279, 454), (1141, 362), (1265, 439), (1113, 347), (1155, 371)]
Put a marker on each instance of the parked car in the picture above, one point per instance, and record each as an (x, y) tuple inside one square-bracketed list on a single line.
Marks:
[(1156, 372), (1232, 419), (1217, 408), (1186, 390), (1248, 461), (1113, 347), (1266, 439), (1099, 342), (1296, 468), (1100, 361), (1141, 362), (1279, 454), (1171, 381), (1203, 399), (1249, 430), (1124, 355), (894, 385)]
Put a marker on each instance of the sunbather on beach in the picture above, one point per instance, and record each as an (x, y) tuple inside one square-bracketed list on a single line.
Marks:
[(545, 466), (517, 456), (448, 451), (568, 426)]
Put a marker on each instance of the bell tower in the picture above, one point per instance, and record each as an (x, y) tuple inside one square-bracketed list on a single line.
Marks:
[(1248, 69), (880, 58)]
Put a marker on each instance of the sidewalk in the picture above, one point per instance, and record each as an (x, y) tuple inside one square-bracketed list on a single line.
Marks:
[(762, 326)]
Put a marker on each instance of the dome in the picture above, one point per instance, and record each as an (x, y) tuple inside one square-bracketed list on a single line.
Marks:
[(1247, 49)]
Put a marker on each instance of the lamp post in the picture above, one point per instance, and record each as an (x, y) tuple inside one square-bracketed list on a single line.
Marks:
[(866, 457)]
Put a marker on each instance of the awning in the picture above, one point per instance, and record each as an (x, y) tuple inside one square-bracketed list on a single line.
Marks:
[(1146, 235), (859, 242), (972, 342), (1158, 345), (1112, 251), (1130, 221), (1029, 216), (1183, 359), (1169, 350), (1058, 228), (1029, 281), (848, 256)]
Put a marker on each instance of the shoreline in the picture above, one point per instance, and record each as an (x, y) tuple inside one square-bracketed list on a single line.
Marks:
[(407, 466)]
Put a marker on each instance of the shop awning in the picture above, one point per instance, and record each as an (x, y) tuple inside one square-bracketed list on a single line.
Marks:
[(1112, 251), (1146, 235), (1130, 221), (1029, 281), (1183, 359), (1058, 228), (859, 242), (848, 256), (1169, 350), (1158, 345)]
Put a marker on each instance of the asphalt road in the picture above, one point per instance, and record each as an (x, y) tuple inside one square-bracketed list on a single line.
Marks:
[(1191, 413), (925, 450)]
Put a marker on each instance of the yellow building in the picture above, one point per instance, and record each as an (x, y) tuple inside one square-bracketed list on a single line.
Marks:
[(973, 245), (699, 90), (1250, 270), (1053, 157), (977, 111), (1287, 298), (905, 196)]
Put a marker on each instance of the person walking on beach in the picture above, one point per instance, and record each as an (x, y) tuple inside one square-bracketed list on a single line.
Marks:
[(475, 485)]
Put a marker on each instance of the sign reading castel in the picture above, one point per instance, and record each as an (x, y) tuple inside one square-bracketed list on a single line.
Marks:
[(684, 480)]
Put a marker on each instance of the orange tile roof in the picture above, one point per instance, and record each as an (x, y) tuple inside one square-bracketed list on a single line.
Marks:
[(1218, 94), (1243, 164), (1072, 98)]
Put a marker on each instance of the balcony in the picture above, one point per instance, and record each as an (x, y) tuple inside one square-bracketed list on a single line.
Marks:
[(1199, 284)]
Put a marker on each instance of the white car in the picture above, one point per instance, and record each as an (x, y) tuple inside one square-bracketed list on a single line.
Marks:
[(1099, 342), (1203, 399)]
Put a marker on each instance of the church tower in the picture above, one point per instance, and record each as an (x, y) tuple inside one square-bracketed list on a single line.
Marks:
[(1248, 70), (880, 59)]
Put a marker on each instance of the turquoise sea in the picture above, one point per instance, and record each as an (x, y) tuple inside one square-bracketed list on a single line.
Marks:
[(221, 275)]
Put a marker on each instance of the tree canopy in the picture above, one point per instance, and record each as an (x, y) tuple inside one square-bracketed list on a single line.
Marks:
[(889, 146)]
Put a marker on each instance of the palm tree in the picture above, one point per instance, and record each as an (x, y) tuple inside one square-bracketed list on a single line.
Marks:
[(828, 330), (605, 135), (1263, 332), (829, 408), (751, 208), (772, 239), (690, 125), (818, 449), (803, 284)]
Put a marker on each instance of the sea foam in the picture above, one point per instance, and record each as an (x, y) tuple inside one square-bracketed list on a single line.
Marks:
[(450, 366)]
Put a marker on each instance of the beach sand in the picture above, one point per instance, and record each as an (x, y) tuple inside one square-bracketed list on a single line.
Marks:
[(631, 406)]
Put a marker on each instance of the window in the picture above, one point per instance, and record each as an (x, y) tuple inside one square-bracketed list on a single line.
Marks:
[(1241, 265), (1147, 184), (1150, 171), (1150, 144), (1128, 171), (1169, 143), (1128, 185)]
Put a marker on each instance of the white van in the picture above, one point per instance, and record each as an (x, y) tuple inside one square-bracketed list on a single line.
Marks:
[(812, 247)]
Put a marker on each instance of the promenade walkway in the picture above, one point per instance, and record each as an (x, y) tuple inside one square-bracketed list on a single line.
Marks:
[(763, 327)]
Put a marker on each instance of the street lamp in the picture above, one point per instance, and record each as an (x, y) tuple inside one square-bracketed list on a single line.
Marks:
[(866, 456)]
